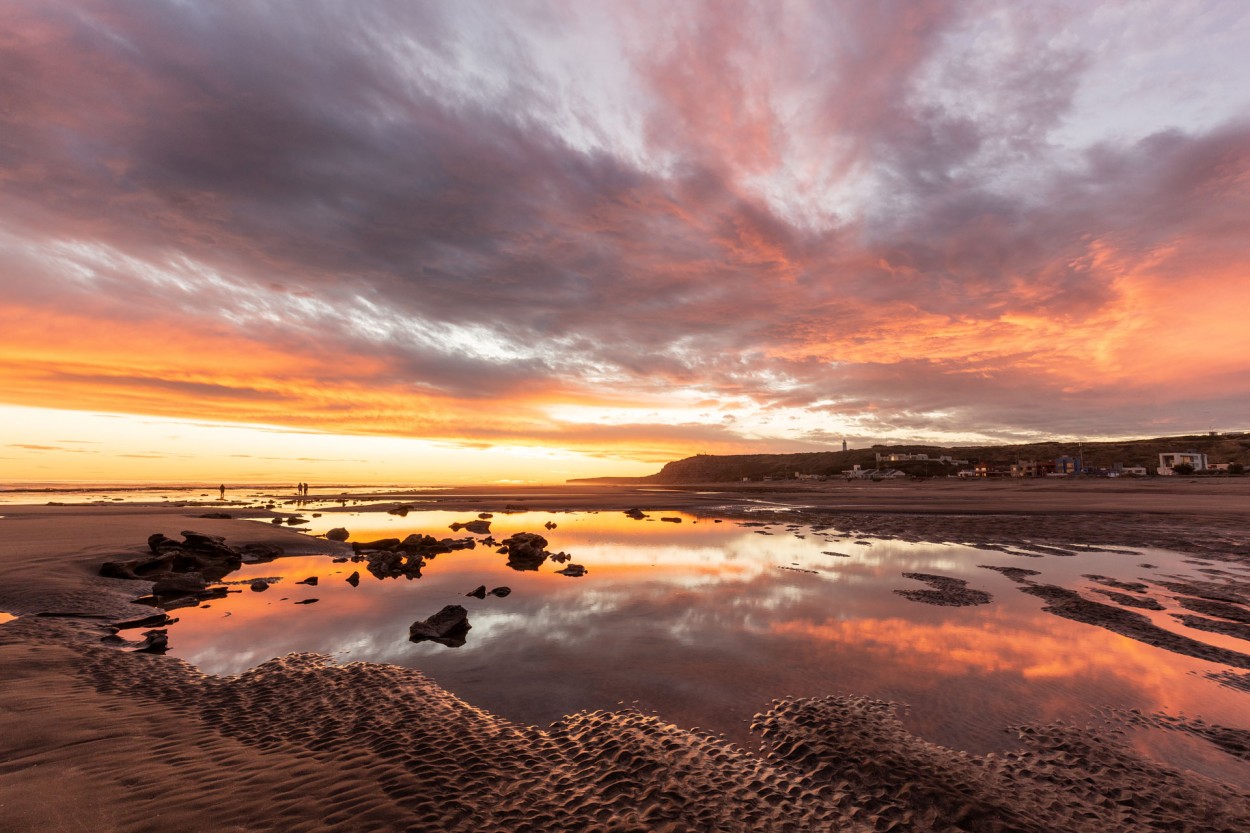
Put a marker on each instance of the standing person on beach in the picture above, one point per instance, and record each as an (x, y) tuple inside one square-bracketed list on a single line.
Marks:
[(222, 489)]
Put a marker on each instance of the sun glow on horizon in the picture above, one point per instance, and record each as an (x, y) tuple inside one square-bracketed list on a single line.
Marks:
[(42, 444)]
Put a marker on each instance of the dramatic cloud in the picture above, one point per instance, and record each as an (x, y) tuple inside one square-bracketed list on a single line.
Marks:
[(638, 228)]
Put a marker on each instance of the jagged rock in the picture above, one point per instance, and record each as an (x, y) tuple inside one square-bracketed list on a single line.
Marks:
[(560, 557), (636, 514), (156, 620), (155, 642), (255, 553), (549, 525), (179, 584), (526, 550), (139, 568), (447, 627), (159, 543), (573, 571), (338, 534), (259, 585), (478, 527), (501, 591), (479, 593), (354, 579), (311, 581), (380, 544)]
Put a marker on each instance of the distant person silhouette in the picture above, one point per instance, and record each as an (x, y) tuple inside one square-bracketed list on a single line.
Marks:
[(222, 489)]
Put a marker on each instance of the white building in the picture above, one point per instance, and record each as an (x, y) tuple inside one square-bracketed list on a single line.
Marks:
[(1171, 460)]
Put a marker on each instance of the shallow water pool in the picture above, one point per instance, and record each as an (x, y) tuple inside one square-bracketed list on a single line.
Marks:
[(706, 622)]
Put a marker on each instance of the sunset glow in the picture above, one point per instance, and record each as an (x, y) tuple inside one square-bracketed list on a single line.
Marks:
[(442, 242)]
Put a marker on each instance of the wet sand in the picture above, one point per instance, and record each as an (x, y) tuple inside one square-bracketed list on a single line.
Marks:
[(128, 741)]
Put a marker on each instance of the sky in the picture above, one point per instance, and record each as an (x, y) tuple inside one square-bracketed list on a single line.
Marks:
[(439, 242)]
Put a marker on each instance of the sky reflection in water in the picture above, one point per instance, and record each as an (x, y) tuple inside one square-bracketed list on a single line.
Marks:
[(705, 623)]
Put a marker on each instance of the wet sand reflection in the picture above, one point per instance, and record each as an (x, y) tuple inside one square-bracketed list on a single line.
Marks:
[(706, 623)]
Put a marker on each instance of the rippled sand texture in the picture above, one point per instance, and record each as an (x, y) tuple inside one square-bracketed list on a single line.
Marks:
[(301, 744)]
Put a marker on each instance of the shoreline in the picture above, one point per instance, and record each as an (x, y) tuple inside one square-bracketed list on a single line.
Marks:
[(302, 744)]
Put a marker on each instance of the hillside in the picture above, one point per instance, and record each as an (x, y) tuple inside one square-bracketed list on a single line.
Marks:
[(710, 468)]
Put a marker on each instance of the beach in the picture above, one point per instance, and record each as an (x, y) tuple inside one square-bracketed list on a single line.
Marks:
[(97, 736)]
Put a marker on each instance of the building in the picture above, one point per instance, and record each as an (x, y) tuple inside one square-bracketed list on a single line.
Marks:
[(899, 457), (988, 469), (1032, 468), (1172, 459), (1067, 465)]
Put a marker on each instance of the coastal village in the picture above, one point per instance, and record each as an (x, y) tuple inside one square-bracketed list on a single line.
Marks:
[(1170, 464)]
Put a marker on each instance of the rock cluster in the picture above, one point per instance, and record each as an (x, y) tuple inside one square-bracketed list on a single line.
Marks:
[(181, 571), (480, 527), (392, 558)]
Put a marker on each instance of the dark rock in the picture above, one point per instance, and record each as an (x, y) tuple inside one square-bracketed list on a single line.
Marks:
[(159, 543), (276, 521), (307, 601), (179, 584), (204, 543), (501, 591), (549, 525), (156, 620), (311, 581), (256, 553), (447, 627), (259, 585), (573, 571), (401, 511), (560, 557), (354, 579), (479, 527), (156, 642), (296, 520), (479, 593), (338, 534), (485, 516), (217, 516), (636, 514), (671, 520), (342, 559), (526, 550), (380, 544), (139, 568)]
